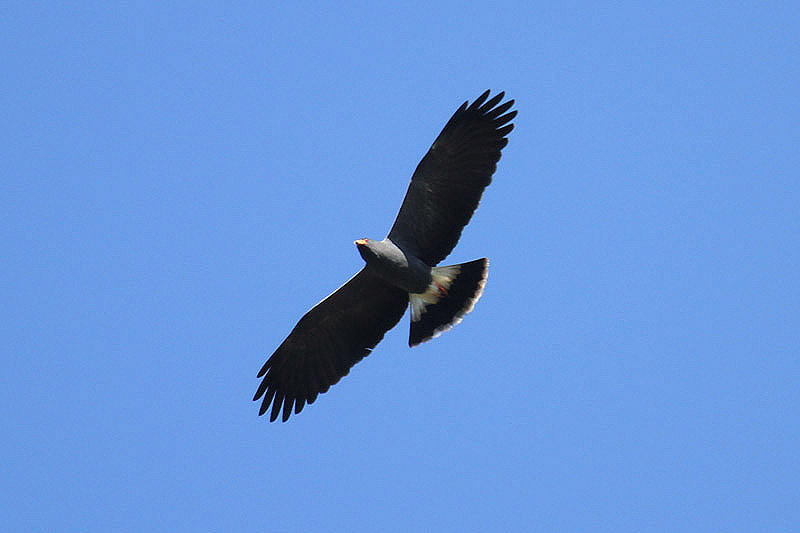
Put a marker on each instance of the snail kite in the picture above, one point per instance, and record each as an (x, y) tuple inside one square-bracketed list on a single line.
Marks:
[(401, 269)]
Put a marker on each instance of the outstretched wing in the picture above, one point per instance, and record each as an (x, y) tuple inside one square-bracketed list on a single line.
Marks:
[(447, 184), (333, 336)]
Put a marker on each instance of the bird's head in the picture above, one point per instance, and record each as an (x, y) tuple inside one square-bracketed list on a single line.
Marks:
[(366, 247)]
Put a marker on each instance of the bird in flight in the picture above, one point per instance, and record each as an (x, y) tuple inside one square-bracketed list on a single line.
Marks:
[(401, 270)]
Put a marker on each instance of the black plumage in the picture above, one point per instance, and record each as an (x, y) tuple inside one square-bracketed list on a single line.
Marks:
[(332, 337), (449, 181), (343, 328)]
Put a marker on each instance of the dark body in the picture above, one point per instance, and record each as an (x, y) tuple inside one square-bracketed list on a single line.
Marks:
[(398, 268)]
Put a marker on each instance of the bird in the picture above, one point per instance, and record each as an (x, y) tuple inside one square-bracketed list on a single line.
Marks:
[(401, 270)]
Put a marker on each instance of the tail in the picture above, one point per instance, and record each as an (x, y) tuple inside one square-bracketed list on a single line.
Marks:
[(452, 294)]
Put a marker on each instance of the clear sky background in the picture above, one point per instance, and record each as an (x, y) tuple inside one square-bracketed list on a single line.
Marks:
[(181, 183)]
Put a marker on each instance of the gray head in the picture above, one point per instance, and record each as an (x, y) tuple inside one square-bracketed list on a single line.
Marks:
[(368, 248)]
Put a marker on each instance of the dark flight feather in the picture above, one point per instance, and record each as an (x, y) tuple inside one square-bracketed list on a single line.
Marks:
[(332, 337), (448, 183)]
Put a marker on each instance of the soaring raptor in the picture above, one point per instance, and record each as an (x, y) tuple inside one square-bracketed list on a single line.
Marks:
[(401, 269)]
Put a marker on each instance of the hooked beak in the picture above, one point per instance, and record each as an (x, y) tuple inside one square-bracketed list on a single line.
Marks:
[(361, 242)]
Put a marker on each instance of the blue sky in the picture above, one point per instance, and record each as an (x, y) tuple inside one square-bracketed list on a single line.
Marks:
[(181, 183)]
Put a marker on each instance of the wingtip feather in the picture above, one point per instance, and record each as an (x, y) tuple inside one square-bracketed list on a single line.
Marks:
[(492, 102), (479, 100)]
